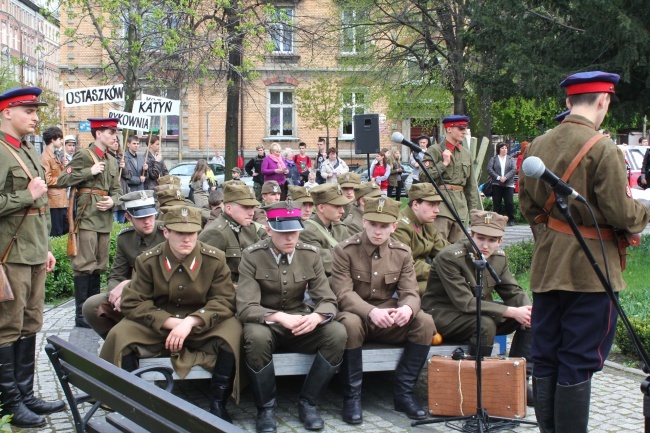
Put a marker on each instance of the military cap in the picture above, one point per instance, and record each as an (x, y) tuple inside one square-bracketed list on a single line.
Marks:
[(236, 170), (423, 191), (349, 180), (139, 204), (170, 197), (590, 82), (367, 189), (69, 138), (284, 217), (487, 223), (381, 210), (20, 96), (169, 179), (165, 187), (425, 137), (240, 194), (271, 187), (233, 182), (103, 122), (185, 219), (300, 194), (455, 120), (329, 193), (560, 117)]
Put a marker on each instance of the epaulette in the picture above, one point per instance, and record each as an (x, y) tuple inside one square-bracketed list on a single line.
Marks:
[(154, 252), (499, 252), (354, 240), (208, 250), (398, 245), (263, 244), (406, 220), (460, 252), (161, 226), (304, 246), (126, 230)]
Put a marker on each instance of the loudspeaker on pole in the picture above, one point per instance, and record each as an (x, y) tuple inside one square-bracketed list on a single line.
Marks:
[(366, 133)]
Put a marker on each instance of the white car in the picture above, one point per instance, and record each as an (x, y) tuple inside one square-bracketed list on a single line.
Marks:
[(184, 171)]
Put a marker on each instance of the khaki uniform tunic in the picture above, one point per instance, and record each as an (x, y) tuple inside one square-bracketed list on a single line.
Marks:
[(354, 220), (313, 235)]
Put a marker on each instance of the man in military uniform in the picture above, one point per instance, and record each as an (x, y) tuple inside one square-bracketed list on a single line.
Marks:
[(102, 311), (354, 219), (376, 289), (270, 195), (449, 296), (453, 171), (574, 321), (301, 196), (94, 173), (23, 212), (274, 321), (324, 229), (181, 302), (234, 229), (415, 228), (348, 182)]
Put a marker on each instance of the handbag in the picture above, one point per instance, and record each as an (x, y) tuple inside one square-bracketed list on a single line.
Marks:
[(487, 188)]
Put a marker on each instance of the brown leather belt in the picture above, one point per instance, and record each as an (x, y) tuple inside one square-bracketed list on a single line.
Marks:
[(452, 187), (40, 211), (92, 191), (587, 232)]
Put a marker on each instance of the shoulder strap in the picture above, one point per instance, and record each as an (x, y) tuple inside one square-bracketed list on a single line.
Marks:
[(333, 242), (20, 161), (92, 155)]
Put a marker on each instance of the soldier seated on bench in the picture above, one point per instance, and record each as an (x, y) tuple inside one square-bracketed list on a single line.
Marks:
[(181, 302), (450, 300), (374, 280)]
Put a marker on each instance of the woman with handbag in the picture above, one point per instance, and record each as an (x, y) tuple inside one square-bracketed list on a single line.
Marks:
[(502, 169)]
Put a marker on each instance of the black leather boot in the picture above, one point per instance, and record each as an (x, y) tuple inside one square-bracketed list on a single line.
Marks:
[(24, 354), (10, 396), (264, 393), (221, 384), (572, 407), (317, 379), (94, 285), (522, 341), (130, 362), (351, 376), (81, 284), (544, 396), (406, 375)]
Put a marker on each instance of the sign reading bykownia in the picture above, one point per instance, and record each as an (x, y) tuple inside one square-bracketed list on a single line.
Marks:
[(131, 121), (94, 95), (156, 106)]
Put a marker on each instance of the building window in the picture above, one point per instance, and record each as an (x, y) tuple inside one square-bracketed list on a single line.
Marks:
[(352, 34), (281, 111), (353, 104), (281, 31)]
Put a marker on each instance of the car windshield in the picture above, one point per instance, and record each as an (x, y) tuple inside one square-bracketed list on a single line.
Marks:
[(183, 170)]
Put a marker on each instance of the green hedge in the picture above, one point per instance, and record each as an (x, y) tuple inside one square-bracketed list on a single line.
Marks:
[(60, 282), (520, 256), (519, 218)]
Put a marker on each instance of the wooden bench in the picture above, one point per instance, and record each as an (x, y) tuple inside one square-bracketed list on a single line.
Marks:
[(139, 406)]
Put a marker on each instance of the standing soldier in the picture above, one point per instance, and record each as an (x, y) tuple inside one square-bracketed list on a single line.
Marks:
[(452, 164), (94, 174), (23, 213), (354, 220)]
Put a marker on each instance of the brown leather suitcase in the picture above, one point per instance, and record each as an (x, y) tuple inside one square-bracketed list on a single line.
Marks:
[(452, 386)]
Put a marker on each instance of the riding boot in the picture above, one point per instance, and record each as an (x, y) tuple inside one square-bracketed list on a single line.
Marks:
[(544, 397), (94, 286), (24, 354), (221, 384), (351, 376), (10, 396), (81, 284), (406, 375), (572, 407), (130, 362), (264, 393), (317, 379), (522, 341)]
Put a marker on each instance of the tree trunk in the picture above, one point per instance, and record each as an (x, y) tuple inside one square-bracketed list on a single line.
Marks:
[(233, 89)]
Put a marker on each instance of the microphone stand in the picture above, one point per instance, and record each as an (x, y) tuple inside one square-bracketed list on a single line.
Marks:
[(481, 418)]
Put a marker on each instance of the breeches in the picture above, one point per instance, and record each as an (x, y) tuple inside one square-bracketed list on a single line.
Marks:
[(92, 253), (22, 317), (419, 330)]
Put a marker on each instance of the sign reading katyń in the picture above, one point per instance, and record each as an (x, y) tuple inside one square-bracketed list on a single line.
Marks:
[(94, 95), (131, 121), (156, 106)]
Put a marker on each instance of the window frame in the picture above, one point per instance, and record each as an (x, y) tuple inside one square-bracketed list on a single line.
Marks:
[(278, 37), (358, 47), (281, 106), (354, 106)]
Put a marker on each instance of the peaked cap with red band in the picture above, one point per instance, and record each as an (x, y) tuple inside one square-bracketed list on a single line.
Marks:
[(20, 96), (103, 122), (284, 217), (456, 120), (590, 82)]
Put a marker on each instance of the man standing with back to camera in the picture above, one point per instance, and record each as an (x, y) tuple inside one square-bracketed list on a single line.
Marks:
[(573, 320)]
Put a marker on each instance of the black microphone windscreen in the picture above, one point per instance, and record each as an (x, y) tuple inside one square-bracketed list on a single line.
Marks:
[(533, 167)]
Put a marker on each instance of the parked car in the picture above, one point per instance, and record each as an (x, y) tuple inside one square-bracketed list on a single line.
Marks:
[(407, 179), (184, 171), (634, 162)]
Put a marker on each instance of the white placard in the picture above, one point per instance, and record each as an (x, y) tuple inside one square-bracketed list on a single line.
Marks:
[(94, 95), (156, 107), (146, 97), (131, 121)]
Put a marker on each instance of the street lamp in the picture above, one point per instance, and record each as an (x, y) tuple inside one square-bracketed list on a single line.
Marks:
[(20, 46)]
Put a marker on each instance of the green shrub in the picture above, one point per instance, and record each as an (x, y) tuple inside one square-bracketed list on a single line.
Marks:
[(624, 342), (520, 256), (519, 218)]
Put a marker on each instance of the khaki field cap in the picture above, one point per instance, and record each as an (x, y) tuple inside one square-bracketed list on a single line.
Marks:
[(169, 179), (240, 194), (300, 194), (139, 204), (329, 193), (170, 197), (367, 190), (424, 191), (349, 180), (271, 187), (487, 223), (381, 210), (185, 219), (233, 182)]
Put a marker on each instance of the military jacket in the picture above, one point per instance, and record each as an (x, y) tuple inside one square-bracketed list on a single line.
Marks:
[(313, 235), (347, 208), (558, 261), (77, 173), (32, 243), (423, 239), (450, 289), (220, 234), (459, 172), (267, 285), (365, 276), (354, 220), (56, 196), (130, 244)]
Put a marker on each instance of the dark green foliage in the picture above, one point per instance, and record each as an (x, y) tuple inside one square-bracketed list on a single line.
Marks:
[(519, 218), (519, 256)]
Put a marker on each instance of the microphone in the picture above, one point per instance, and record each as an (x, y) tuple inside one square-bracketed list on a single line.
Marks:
[(398, 137), (535, 168)]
